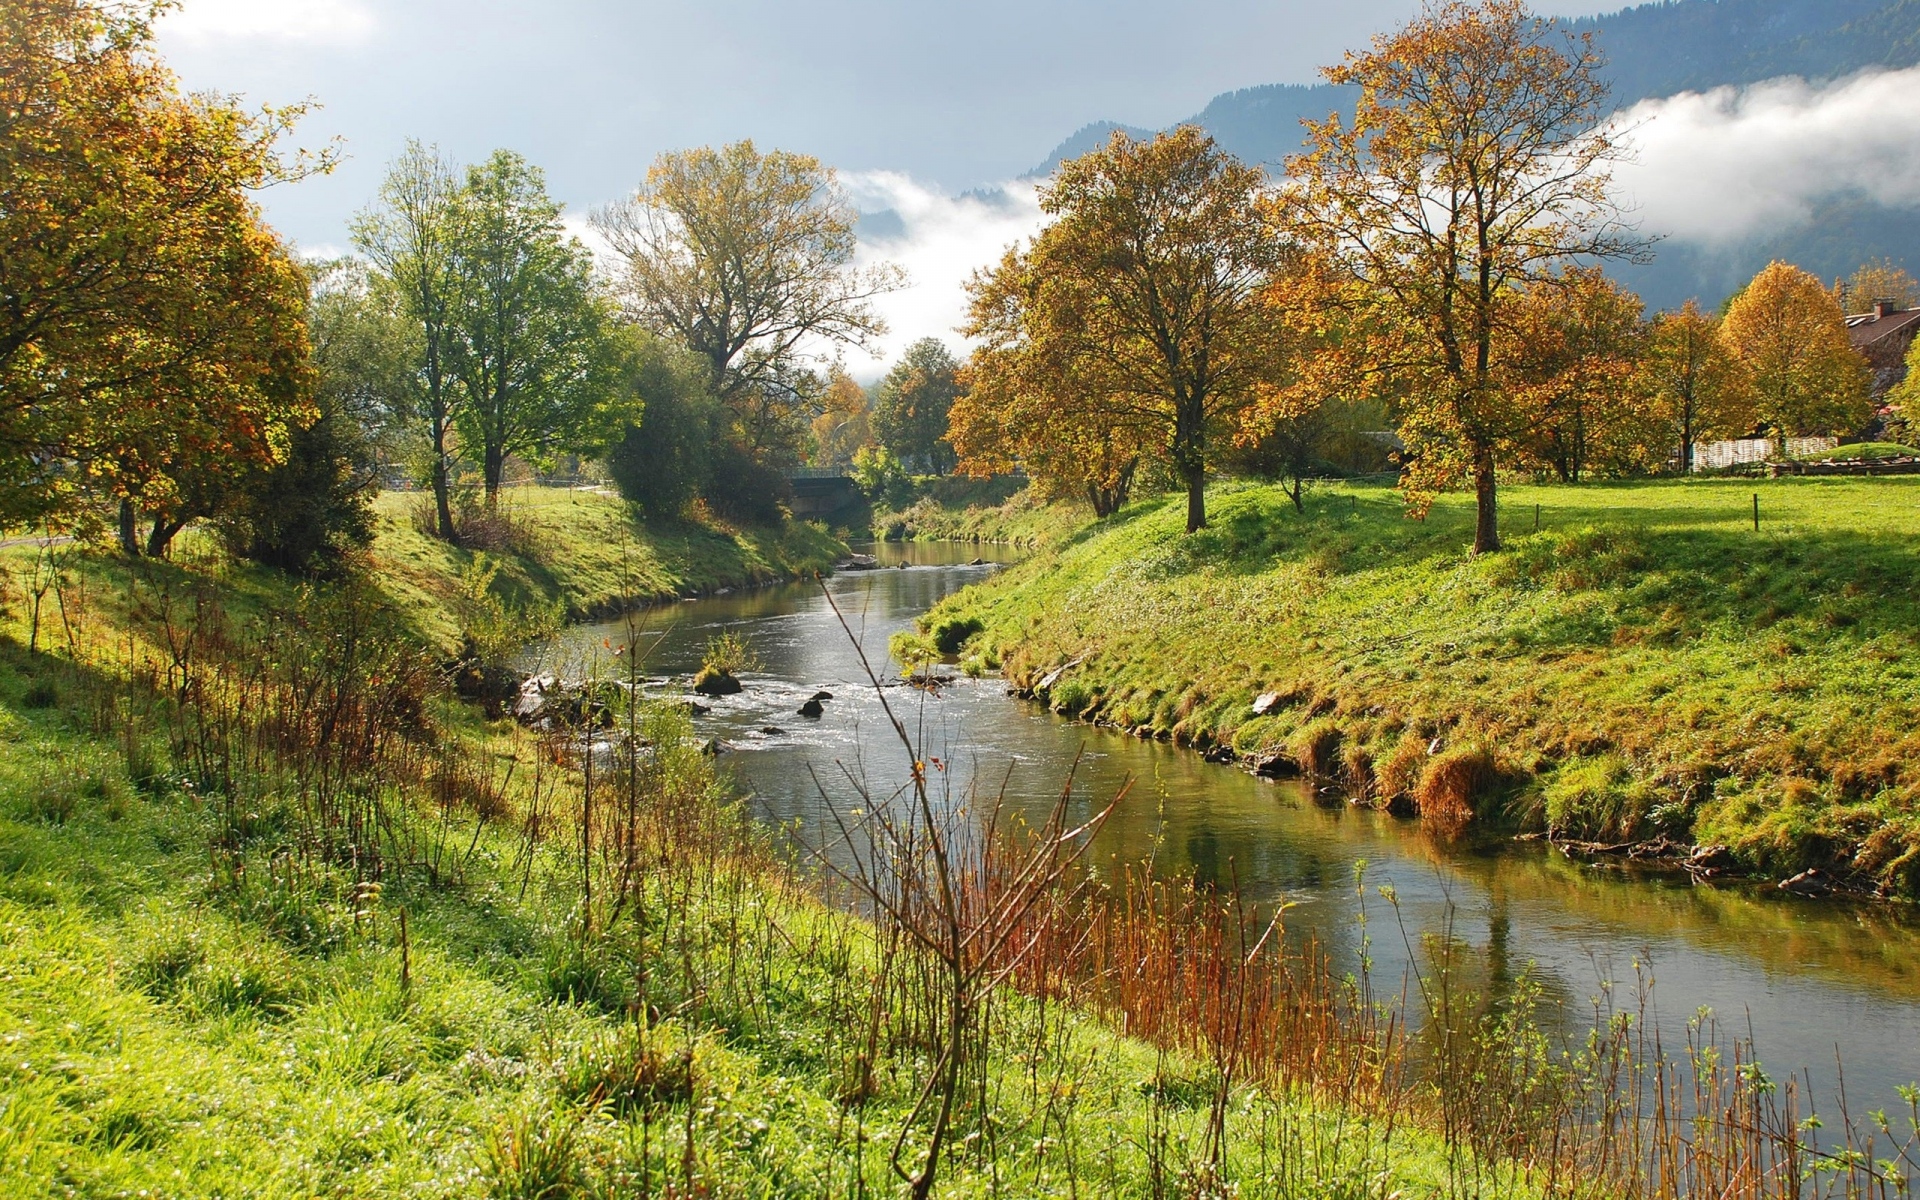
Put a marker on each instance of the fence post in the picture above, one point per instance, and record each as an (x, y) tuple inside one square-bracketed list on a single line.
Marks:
[(1756, 512)]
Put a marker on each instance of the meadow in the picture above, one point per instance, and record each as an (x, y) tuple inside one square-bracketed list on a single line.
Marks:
[(284, 916), (1640, 662)]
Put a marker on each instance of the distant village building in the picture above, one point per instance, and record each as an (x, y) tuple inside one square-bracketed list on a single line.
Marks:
[(1882, 337)]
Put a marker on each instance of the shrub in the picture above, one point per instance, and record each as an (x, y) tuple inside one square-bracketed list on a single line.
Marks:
[(41, 693), (950, 636)]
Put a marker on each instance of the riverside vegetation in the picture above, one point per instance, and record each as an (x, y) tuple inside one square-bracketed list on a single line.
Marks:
[(283, 916), (1641, 665)]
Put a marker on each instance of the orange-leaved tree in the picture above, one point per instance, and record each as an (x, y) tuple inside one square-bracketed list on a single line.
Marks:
[(1789, 334), (1698, 386), (1474, 168), (1580, 342), (1135, 321), (152, 339)]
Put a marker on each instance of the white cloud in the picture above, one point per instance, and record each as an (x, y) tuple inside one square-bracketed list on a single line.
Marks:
[(1717, 166), (311, 21), (941, 241)]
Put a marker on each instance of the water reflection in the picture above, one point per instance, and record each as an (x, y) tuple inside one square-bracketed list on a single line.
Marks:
[(1811, 979)]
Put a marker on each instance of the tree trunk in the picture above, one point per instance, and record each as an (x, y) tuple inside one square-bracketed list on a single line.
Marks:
[(495, 467), (1486, 525), (160, 537), (443, 507), (129, 535), (1196, 498)]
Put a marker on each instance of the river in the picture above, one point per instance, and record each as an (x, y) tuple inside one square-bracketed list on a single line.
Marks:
[(1816, 982)]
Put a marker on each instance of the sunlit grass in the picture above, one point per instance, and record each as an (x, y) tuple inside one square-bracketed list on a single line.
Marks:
[(1639, 659)]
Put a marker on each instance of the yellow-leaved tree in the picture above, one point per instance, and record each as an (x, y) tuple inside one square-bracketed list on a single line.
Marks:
[(1134, 325), (1474, 169), (1699, 387), (1790, 336)]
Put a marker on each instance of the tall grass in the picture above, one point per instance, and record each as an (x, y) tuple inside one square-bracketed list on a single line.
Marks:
[(668, 1003)]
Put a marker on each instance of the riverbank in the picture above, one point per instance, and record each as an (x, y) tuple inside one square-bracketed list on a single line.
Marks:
[(1646, 669), (283, 917), (584, 552), (988, 511)]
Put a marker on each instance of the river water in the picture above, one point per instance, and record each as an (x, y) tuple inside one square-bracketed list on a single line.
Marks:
[(1817, 983)]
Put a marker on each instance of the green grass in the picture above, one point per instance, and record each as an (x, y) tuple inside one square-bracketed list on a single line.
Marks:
[(194, 1004), (954, 512), (1861, 451), (1645, 663), (585, 551)]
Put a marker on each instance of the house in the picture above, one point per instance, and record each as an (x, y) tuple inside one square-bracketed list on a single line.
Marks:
[(1882, 338)]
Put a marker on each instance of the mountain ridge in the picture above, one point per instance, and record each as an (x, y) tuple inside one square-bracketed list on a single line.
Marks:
[(1653, 51)]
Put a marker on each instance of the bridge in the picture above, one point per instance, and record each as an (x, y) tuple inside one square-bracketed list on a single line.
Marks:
[(818, 492)]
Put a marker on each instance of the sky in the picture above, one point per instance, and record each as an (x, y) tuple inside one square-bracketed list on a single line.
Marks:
[(916, 103)]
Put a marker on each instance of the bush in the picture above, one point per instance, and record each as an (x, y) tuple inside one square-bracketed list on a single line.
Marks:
[(950, 636), (307, 514), (743, 488)]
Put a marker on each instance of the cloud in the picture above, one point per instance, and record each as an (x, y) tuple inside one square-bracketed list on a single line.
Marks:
[(1718, 166), (940, 240), (308, 21)]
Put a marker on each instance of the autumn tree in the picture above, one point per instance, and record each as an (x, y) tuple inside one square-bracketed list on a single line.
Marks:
[(912, 405), (408, 234), (526, 331), (1698, 386), (152, 340), (1473, 169), (845, 424), (1788, 333), (748, 260), (1135, 319), (1580, 341), (1880, 279), (1015, 412)]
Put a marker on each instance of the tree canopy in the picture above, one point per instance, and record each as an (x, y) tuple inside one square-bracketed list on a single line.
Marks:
[(1134, 323), (1789, 334), (912, 408), (1473, 169), (152, 339), (747, 259)]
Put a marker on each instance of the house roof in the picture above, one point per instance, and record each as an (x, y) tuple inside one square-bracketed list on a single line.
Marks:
[(1867, 328)]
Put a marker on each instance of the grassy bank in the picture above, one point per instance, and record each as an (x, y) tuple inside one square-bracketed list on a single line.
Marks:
[(585, 552), (283, 918), (977, 511), (1644, 665)]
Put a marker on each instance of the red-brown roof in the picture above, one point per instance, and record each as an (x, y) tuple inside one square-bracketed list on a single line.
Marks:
[(1867, 328)]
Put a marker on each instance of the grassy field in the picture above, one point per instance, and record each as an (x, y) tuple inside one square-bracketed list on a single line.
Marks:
[(1638, 662), (279, 917)]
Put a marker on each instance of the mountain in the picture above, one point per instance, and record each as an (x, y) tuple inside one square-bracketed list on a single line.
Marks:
[(1652, 50), (1657, 50)]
